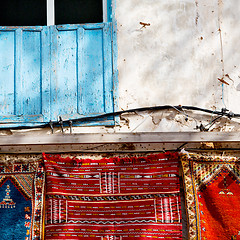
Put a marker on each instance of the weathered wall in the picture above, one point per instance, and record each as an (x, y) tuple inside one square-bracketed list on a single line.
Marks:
[(179, 57), (175, 53)]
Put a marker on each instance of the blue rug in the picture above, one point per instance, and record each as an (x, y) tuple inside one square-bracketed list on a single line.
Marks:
[(21, 205)]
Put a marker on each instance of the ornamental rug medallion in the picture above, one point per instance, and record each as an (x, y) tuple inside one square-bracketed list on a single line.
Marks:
[(21, 197), (212, 188), (113, 199)]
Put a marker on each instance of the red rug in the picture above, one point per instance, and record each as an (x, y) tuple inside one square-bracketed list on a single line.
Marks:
[(113, 199), (213, 197)]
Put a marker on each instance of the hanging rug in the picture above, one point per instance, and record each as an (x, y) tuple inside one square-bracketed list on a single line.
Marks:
[(21, 199), (133, 198), (212, 188)]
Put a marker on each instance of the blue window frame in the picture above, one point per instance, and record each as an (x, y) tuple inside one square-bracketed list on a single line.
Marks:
[(59, 70)]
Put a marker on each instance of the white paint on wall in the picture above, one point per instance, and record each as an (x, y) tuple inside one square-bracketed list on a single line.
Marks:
[(178, 57)]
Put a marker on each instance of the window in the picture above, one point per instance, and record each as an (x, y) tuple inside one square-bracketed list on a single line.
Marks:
[(58, 67), (51, 12), (78, 11), (23, 13)]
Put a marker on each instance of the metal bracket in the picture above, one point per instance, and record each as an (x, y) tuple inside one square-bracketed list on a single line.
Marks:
[(70, 125), (51, 125), (61, 123)]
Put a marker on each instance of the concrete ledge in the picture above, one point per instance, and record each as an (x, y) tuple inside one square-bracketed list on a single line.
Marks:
[(99, 138)]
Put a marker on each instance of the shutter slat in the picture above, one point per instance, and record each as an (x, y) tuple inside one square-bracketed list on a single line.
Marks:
[(18, 101), (53, 74), (45, 74), (80, 52), (67, 72), (7, 60), (31, 73), (108, 71), (92, 93)]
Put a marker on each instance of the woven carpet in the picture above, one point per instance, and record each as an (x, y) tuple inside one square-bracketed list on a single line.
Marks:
[(212, 187), (21, 195), (113, 199)]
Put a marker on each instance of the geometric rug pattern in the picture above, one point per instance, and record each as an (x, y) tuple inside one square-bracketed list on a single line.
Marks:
[(134, 198)]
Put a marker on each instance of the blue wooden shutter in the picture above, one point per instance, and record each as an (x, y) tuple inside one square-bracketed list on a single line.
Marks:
[(81, 74), (70, 63), (24, 75)]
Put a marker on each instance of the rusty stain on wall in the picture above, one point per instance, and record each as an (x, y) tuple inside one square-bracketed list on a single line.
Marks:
[(197, 13), (227, 75), (144, 25), (221, 41), (223, 81)]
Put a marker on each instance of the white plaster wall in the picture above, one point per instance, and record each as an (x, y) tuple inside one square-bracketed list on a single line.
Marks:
[(179, 58)]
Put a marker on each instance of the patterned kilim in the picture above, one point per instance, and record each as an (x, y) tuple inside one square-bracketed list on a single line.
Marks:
[(212, 187), (21, 197), (113, 199)]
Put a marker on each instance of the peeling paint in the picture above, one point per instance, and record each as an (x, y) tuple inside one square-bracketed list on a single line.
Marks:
[(127, 146)]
